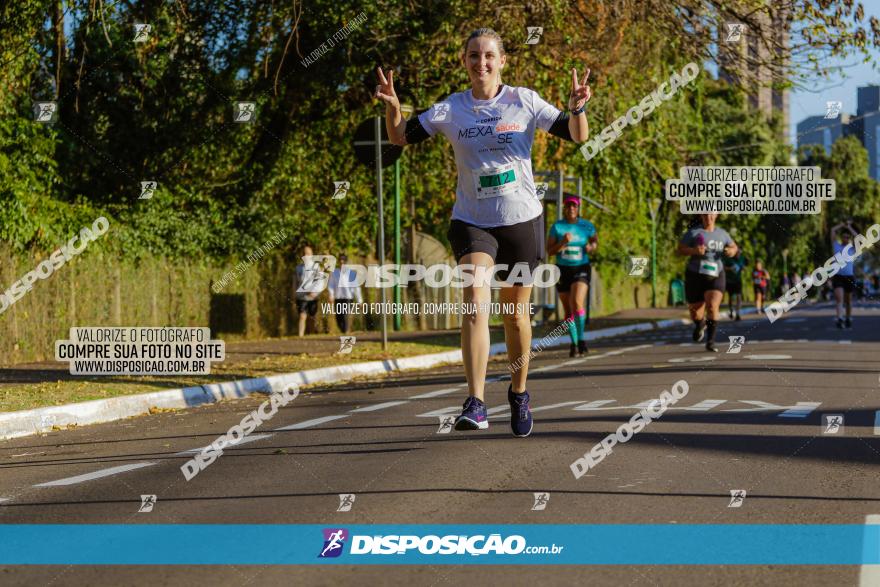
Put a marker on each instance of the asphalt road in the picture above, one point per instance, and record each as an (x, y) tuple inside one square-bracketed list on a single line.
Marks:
[(751, 421)]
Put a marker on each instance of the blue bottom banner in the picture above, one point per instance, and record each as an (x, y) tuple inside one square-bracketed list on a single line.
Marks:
[(523, 544)]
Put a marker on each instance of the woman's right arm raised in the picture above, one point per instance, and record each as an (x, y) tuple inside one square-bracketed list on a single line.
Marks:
[(394, 122)]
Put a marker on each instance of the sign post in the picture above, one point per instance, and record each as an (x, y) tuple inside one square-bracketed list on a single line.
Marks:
[(371, 146)]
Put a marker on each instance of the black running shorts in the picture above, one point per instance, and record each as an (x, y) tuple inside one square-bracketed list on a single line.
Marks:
[(508, 245), (847, 282), (310, 306), (696, 285), (569, 274)]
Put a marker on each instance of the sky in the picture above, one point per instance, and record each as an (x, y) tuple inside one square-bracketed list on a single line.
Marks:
[(803, 103)]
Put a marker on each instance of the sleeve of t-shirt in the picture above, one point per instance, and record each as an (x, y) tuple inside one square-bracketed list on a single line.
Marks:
[(687, 239), (727, 239), (554, 232), (544, 112)]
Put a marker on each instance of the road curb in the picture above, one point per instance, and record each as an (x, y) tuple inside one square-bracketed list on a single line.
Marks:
[(39, 420)]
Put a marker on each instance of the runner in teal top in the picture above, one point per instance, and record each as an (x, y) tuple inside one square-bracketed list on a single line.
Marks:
[(572, 239), (573, 252)]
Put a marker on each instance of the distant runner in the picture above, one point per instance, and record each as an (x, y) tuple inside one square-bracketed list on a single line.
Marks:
[(572, 239), (733, 271), (760, 282), (497, 216), (704, 275), (844, 282)]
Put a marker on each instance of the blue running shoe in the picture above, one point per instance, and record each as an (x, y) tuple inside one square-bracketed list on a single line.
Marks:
[(473, 416), (520, 414)]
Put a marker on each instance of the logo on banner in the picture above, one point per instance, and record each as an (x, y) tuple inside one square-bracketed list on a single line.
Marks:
[(334, 540)]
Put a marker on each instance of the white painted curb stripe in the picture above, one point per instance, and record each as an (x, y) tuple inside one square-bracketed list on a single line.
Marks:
[(95, 475), (310, 423)]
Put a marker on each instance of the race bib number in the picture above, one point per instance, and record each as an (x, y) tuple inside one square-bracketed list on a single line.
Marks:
[(495, 182), (710, 268), (758, 280), (572, 253)]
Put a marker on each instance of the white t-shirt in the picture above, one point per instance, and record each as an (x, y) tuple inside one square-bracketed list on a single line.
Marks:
[(492, 140), (845, 270)]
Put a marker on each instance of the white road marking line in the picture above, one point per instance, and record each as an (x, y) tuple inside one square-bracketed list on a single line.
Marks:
[(877, 423), (768, 357), (437, 393), (547, 368), (440, 412), (241, 441), (702, 406), (94, 475), (844, 342), (2, 499), (378, 407), (594, 405), (497, 409), (552, 406), (869, 574), (691, 359), (310, 423), (801, 410)]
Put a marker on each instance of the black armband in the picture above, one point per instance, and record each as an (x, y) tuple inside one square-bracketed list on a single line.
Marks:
[(415, 132), (559, 128)]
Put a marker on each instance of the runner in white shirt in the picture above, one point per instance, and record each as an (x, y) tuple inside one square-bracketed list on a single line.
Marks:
[(342, 293), (844, 281), (497, 217)]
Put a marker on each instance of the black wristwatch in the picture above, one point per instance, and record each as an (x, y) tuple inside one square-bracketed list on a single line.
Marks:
[(579, 110)]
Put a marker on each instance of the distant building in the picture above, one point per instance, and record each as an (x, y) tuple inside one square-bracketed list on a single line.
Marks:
[(758, 61), (818, 130)]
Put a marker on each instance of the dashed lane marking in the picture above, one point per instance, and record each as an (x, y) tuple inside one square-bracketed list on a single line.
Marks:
[(94, 475), (377, 407), (310, 423)]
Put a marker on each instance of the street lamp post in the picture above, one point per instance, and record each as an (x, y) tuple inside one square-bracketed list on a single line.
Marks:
[(653, 209)]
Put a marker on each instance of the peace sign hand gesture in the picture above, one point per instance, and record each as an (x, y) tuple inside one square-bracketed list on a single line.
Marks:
[(580, 93), (385, 89)]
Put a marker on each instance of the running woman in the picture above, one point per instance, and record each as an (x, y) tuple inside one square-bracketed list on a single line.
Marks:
[(572, 239), (844, 282), (733, 270), (497, 216), (760, 282), (704, 275)]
